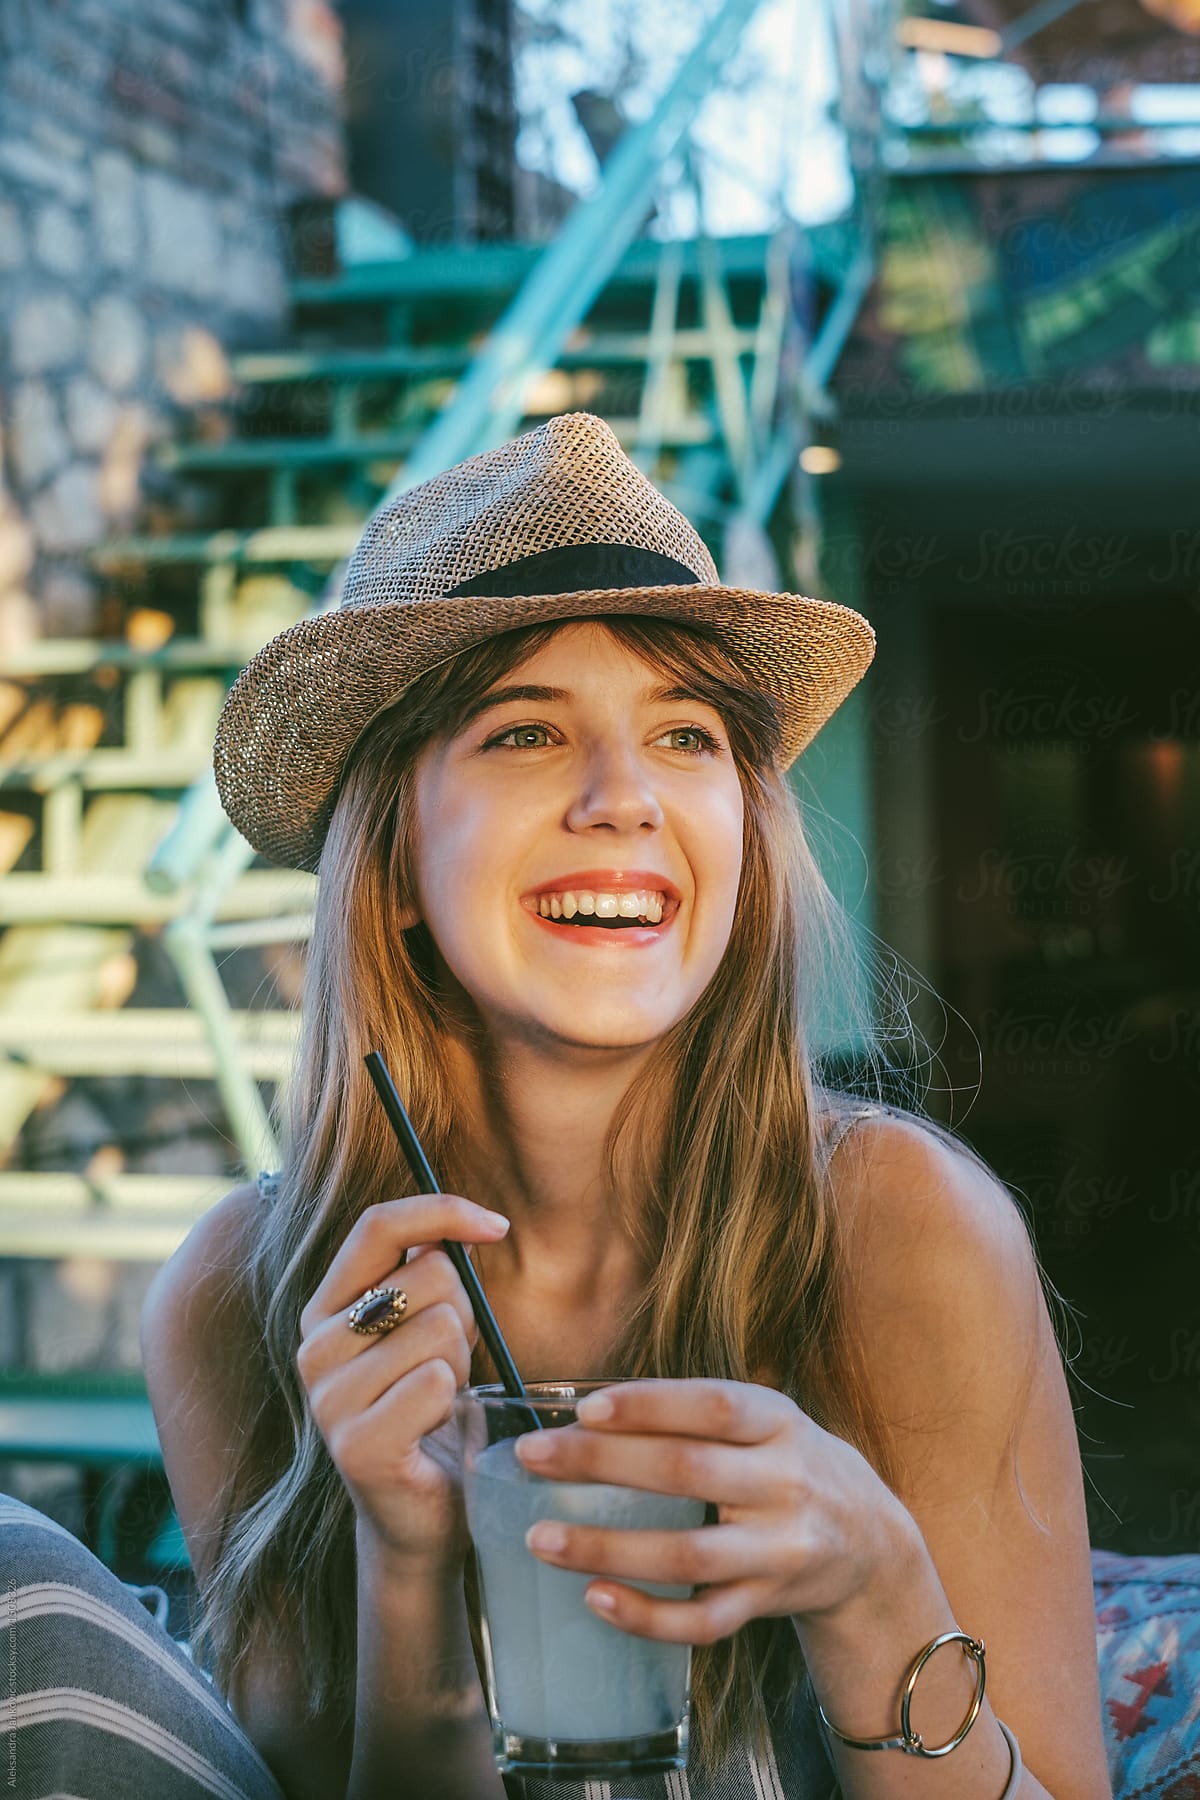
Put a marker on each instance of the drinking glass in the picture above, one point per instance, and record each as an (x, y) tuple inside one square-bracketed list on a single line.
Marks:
[(570, 1696)]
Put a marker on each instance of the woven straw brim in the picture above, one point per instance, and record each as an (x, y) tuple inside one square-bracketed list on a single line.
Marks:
[(299, 705)]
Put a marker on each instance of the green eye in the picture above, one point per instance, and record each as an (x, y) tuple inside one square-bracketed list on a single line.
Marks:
[(693, 740), (524, 737)]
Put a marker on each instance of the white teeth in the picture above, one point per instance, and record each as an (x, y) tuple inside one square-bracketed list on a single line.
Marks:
[(645, 903)]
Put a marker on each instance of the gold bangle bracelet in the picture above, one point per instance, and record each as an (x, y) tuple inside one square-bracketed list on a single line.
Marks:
[(909, 1740)]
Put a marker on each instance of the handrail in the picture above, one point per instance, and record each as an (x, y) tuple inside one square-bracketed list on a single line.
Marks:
[(569, 274), (484, 410)]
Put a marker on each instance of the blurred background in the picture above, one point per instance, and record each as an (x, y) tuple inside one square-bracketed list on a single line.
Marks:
[(898, 302)]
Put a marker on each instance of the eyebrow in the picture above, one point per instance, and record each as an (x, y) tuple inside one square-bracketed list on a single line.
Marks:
[(503, 697), (547, 695)]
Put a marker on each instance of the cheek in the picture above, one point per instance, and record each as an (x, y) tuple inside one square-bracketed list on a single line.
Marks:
[(451, 844), (464, 878), (728, 847), (717, 854)]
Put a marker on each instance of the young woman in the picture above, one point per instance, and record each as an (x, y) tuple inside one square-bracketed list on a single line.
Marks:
[(538, 756)]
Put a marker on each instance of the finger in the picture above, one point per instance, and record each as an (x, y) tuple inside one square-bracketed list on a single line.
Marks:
[(334, 1343), (460, 1295), (377, 1446), (733, 1412), (716, 1613), (382, 1233), (354, 1388), (725, 1474), (706, 1556)]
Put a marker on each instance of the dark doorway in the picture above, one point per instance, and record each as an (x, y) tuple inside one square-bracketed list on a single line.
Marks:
[(1036, 725)]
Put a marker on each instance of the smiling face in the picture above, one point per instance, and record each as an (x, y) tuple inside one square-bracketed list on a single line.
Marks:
[(582, 787)]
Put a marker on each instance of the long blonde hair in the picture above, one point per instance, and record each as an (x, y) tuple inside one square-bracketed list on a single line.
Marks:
[(720, 1174)]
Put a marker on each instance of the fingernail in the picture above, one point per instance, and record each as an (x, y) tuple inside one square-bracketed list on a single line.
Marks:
[(594, 1406), (496, 1220), (534, 1446), (602, 1602), (547, 1536)]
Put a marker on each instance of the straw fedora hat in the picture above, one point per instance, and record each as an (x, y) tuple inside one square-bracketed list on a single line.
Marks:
[(558, 524)]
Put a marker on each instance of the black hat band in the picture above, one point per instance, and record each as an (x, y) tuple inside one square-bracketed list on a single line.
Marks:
[(576, 569)]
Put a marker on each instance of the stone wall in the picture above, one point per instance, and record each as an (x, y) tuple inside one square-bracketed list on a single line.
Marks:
[(149, 153), (148, 149)]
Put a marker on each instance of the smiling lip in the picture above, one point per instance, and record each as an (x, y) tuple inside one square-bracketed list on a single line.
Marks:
[(607, 881), (628, 937)]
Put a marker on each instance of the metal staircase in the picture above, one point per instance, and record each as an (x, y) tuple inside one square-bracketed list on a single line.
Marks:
[(111, 839), (393, 371), (694, 335), (141, 941)]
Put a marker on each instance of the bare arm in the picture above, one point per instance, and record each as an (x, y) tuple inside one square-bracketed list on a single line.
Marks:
[(198, 1404), (959, 1351), (420, 1706)]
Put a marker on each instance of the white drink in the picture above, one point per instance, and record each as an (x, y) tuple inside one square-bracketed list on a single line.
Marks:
[(561, 1673)]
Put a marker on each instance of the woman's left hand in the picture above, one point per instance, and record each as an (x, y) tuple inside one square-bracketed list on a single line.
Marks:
[(805, 1526)]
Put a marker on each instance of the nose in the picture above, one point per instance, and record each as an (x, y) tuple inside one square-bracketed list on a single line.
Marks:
[(615, 793)]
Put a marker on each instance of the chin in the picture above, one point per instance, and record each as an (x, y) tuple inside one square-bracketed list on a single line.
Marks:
[(600, 1032)]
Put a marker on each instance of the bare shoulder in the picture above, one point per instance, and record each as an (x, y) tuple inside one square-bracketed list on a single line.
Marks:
[(214, 1249), (944, 1304), (917, 1207)]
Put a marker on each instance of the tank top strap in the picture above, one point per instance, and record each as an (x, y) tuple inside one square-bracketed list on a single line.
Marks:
[(267, 1183), (846, 1116)]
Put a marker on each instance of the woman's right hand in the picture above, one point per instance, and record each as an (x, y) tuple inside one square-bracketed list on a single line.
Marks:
[(374, 1398)]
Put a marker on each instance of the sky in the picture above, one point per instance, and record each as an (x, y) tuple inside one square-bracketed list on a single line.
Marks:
[(765, 141), (762, 141)]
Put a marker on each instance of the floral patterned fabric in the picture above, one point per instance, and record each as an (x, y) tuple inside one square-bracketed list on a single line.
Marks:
[(1148, 1637)]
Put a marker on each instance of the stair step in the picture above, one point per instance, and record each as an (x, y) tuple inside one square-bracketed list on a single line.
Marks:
[(43, 971), (291, 453), (601, 349), (123, 1217), (496, 269), (48, 657), (104, 771), (27, 898), (146, 1041), (273, 544), (259, 366), (49, 969), (299, 453), (48, 1423)]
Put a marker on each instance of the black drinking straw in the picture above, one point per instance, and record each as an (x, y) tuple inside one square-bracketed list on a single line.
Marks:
[(418, 1162)]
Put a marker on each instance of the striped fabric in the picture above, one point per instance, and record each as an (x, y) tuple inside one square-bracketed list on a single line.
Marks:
[(799, 1767), (100, 1703), (97, 1701)]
